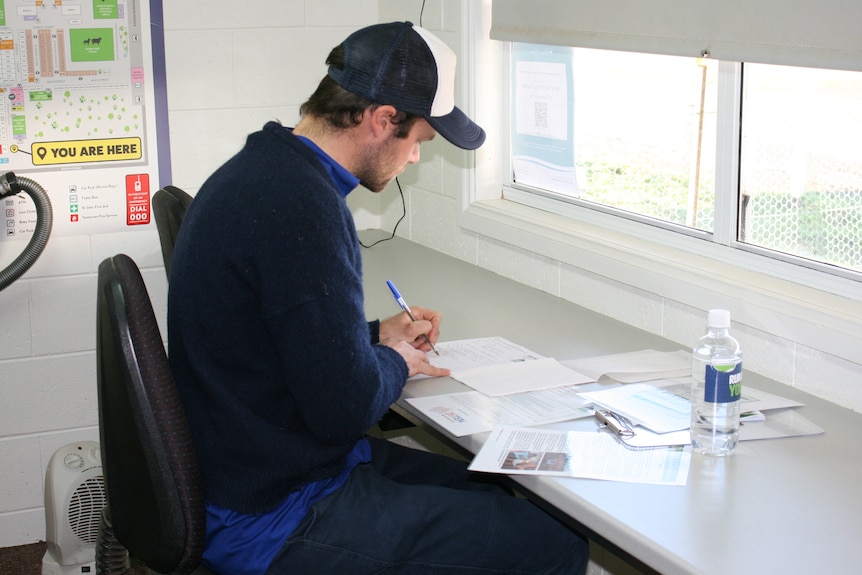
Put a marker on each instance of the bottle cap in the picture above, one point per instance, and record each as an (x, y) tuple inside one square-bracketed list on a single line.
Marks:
[(718, 318)]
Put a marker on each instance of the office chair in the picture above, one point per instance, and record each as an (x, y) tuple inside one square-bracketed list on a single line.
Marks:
[(155, 504), (169, 206)]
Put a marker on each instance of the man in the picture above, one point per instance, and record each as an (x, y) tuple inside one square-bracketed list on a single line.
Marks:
[(279, 370)]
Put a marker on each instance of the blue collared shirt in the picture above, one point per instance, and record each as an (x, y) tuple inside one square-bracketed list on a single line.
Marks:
[(344, 180)]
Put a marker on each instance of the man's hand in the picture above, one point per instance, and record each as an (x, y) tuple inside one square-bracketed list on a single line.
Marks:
[(416, 360), (401, 327), (406, 337)]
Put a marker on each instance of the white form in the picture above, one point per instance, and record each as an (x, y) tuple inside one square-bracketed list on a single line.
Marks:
[(479, 352), (518, 377)]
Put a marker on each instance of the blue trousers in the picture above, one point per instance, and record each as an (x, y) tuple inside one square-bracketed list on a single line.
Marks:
[(410, 512)]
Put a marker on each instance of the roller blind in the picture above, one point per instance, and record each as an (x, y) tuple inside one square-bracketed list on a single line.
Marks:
[(808, 33)]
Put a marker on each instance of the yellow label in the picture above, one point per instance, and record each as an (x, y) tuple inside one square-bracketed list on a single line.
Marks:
[(82, 151)]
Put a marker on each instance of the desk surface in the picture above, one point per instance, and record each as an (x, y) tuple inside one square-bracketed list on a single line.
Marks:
[(785, 506)]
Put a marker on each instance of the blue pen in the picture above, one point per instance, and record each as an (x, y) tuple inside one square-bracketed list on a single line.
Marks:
[(406, 309)]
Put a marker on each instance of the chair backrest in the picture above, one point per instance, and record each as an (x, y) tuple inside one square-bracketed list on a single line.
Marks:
[(169, 206), (154, 493)]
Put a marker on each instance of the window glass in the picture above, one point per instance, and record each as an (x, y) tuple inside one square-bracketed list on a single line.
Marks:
[(644, 133), (801, 163), (637, 135)]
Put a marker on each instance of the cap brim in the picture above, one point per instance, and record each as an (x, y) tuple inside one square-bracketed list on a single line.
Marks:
[(458, 129)]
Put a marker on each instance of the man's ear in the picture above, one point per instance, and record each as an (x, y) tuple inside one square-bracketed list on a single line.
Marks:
[(381, 120)]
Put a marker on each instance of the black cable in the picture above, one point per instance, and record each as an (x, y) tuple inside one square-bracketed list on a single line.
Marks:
[(403, 215), (400, 191)]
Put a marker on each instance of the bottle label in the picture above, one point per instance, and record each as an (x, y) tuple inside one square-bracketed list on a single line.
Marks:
[(723, 383)]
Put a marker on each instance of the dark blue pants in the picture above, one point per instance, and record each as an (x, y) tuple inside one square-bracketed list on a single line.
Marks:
[(409, 512)]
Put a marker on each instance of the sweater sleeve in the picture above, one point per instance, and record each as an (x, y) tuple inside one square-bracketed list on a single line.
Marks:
[(374, 330)]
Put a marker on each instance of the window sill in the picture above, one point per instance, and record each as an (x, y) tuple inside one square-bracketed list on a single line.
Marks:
[(811, 317)]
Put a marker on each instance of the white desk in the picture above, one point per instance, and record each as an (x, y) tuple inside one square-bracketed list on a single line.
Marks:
[(784, 506)]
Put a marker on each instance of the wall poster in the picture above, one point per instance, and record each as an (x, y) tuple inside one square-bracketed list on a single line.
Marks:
[(83, 112), (543, 149)]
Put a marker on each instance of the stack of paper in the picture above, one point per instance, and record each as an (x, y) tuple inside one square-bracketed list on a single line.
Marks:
[(513, 388), (765, 416), (512, 384), (635, 366), (647, 405)]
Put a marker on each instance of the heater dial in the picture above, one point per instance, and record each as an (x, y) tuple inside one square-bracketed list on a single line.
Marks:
[(73, 461)]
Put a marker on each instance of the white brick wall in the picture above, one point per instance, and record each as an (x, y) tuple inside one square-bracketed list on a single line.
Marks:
[(229, 70)]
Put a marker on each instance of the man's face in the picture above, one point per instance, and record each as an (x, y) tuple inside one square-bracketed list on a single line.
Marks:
[(380, 164)]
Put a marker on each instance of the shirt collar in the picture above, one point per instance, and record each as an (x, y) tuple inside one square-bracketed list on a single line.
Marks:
[(344, 180)]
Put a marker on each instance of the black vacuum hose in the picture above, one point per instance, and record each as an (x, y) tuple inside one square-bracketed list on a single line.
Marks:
[(10, 185)]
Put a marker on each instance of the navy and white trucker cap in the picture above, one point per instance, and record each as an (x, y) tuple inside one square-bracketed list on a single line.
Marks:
[(407, 67)]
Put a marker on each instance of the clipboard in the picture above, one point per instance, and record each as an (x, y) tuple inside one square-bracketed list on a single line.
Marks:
[(615, 422), (779, 423)]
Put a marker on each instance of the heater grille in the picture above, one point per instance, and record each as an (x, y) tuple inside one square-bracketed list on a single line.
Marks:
[(85, 509)]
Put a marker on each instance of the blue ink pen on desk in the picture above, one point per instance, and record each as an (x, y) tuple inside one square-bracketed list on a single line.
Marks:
[(409, 313)]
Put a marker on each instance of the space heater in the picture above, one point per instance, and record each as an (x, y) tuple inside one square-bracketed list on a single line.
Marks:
[(74, 498)]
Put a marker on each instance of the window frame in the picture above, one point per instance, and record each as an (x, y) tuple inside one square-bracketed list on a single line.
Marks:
[(721, 245), (678, 269)]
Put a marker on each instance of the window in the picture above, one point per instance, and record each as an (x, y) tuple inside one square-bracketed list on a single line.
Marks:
[(691, 229), (801, 163), (646, 131)]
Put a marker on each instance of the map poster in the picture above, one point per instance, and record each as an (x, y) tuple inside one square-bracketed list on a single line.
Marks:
[(83, 112)]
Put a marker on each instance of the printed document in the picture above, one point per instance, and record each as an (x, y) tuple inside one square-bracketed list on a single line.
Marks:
[(518, 377), (479, 352), (644, 404), (472, 412), (586, 454), (496, 366), (635, 366)]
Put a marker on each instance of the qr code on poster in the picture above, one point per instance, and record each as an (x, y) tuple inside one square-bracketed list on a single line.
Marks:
[(540, 113)]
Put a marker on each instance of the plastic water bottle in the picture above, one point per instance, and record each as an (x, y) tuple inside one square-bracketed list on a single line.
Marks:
[(716, 369)]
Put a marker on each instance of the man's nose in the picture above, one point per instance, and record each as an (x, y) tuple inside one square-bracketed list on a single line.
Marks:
[(414, 156)]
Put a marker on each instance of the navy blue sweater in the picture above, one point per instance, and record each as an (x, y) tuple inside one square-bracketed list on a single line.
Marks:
[(276, 364)]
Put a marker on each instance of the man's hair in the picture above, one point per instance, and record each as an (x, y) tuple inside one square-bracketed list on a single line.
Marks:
[(343, 109)]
